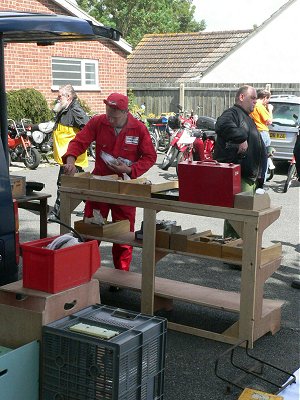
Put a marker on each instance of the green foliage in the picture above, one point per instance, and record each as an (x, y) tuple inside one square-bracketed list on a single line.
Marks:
[(135, 18), (85, 106), (29, 104)]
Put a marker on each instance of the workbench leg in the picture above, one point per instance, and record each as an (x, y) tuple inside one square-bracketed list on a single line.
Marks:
[(43, 218), (148, 262), (65, 211), (249, 313)]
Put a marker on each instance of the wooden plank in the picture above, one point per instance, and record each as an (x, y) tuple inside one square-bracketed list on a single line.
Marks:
[(187, 292), (202, 333)]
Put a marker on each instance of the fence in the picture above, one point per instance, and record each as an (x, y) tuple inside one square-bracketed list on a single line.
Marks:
[(204, 99)]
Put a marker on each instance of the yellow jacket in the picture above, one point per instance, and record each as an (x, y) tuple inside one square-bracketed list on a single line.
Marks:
[(61, 139)]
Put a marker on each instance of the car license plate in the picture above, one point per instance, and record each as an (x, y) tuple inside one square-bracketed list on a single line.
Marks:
[(277, 135)]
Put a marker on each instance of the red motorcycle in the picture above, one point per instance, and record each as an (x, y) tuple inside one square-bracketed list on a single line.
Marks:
[(19, 145), (190, 140)]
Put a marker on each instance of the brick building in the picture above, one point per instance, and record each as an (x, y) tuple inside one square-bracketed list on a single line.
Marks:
[(94, 68)]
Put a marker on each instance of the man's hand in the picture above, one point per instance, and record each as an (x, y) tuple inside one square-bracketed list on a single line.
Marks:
[(243, 147), (120, 168), (69, 167)]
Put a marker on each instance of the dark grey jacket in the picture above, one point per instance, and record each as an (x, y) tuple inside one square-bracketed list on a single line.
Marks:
[(233, 127), (73, 116)]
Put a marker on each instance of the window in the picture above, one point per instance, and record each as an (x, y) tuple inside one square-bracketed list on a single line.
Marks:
[(80, 73)]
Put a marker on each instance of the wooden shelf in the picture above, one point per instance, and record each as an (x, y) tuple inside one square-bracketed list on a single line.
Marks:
[(190, 293)]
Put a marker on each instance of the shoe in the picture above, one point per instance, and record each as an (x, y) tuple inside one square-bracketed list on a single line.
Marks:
[(52, 218), (114, 289)]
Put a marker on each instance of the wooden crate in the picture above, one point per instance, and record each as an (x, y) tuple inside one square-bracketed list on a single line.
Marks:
[(203, 243), (110, 229), (234, 251), (178, 240), (81, 180), (107, 183)]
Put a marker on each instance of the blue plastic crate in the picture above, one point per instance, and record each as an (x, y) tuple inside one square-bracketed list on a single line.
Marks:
[(129, 366), (19, 372)]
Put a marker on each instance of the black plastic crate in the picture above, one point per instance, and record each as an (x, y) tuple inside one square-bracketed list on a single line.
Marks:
[(129, 366)]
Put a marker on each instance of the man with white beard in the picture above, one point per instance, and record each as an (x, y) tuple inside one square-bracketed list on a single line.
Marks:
[(70, 119)]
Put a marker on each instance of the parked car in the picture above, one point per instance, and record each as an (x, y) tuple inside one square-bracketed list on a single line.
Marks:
[(283, 131)]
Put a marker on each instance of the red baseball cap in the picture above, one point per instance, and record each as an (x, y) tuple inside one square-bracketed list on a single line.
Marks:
[(117, 100)]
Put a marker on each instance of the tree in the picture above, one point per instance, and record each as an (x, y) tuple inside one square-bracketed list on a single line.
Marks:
[(135, 18)]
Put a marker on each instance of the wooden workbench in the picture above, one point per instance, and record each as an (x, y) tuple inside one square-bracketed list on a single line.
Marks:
[(257, 315)]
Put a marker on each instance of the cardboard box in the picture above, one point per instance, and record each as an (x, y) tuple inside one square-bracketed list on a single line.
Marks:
[(23, 311), (247, 201), (81, 180), (110, 229), (19, 373), (141, 187), (18, 186), (178, 240), (107, 183), (253, 394), (55, 270), (203, 243)]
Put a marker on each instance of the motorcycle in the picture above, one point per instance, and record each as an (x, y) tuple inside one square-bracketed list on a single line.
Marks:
[(19, 145), (159, 133), (181, 142), (192, 140), (40, 136)]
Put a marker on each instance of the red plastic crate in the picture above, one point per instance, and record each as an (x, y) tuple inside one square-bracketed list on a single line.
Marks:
[(53, 271)]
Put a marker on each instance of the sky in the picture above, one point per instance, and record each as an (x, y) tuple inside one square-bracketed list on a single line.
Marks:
[(234, 14)]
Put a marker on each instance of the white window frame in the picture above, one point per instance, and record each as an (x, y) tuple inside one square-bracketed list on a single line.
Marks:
[(83, 63)]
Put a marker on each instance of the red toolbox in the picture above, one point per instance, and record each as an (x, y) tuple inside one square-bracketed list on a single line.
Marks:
[(209, 182)]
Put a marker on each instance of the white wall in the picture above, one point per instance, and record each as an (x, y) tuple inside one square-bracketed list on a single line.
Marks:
[(271, 55)]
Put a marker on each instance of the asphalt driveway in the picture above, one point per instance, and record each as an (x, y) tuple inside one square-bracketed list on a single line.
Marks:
[(190, 360)]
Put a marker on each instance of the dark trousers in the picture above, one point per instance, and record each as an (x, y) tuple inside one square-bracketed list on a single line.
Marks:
[(297, 155), (56, 208)]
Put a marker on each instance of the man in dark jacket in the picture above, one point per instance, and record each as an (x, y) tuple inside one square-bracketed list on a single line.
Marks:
[(239, 142), (70, 119)]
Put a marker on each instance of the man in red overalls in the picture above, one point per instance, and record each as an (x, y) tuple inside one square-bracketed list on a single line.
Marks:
[(118, 134)]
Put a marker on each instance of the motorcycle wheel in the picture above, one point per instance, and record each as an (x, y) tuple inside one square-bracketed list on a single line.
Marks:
[(154, 139), (32, 161), (183, 157), (169, 158), (92, 150), (164, 141), (290, 175)]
